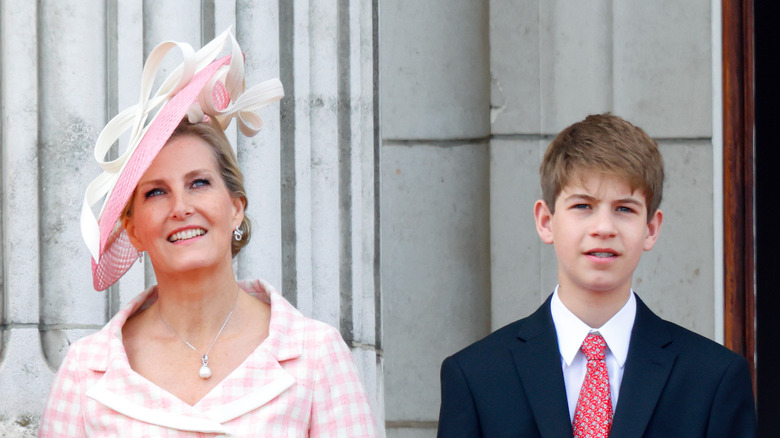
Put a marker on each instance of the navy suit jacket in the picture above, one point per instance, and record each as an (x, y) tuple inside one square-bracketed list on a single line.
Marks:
[(675, 384)]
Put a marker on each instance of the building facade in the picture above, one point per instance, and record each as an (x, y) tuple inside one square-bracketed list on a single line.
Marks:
[(471, 94), (391, 190)]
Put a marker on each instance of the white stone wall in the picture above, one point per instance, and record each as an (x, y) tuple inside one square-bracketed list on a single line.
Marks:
[(472, 92), (311, 175), (435, 203)]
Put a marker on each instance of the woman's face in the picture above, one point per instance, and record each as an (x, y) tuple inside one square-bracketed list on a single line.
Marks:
[(183, 215)]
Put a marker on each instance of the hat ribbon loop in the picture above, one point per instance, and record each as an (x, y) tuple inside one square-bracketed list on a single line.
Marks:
[(135, 118)]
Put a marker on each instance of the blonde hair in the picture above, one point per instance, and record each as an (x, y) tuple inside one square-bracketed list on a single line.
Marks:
[(608, 144)]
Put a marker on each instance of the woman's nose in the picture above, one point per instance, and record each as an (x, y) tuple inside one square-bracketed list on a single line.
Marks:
[(181, 207)]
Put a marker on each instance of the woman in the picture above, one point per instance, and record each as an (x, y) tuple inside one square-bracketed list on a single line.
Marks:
[(198, 353)]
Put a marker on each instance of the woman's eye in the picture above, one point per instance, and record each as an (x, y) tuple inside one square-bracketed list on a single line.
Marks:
[(153, 192), (201, 182)]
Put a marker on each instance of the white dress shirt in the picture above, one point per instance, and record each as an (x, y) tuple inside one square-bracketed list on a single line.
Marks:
[(571, 333)]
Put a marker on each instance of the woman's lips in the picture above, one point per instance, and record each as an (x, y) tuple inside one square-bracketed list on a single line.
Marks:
[(186, 234)]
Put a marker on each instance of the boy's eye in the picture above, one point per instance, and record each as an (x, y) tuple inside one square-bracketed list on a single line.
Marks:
[(152, 193), (625, 209), (580, 206)]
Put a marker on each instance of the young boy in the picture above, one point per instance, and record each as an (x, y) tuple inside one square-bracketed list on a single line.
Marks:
[(593, 360)]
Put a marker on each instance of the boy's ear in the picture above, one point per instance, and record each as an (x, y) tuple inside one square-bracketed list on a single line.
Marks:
[(543, 218), (653, 230)]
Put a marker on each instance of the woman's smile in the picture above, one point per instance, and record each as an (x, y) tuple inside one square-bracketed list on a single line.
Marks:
[(186, 234)]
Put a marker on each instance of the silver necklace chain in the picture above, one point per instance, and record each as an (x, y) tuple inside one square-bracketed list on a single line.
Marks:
[(205, 371)]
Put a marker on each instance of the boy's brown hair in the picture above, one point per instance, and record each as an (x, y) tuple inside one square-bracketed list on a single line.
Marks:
[(608, 144)]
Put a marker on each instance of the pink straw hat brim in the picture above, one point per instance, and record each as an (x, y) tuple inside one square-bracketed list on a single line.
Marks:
[(117, 254)]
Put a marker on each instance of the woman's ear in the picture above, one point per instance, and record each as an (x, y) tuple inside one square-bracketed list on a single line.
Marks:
[(129, 225), (239, 205), (543, 218)]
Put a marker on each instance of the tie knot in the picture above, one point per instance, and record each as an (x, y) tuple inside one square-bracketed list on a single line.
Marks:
[(594, 346)]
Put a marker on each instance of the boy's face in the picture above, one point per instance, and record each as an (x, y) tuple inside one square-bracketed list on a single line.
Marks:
[(599, 230)]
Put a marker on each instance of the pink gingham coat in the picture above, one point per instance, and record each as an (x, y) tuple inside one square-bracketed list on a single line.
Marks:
[(300, 382)]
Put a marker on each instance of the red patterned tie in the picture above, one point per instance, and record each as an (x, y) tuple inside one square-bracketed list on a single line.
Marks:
[(593, 416)]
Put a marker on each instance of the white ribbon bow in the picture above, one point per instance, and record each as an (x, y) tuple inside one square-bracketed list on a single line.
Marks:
[(242, 106)]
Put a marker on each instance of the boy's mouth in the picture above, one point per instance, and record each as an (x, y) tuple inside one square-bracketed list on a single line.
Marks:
[(602, 254), (186, 234)]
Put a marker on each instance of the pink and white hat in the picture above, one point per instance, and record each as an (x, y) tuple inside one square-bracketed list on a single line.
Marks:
[(199, 87)]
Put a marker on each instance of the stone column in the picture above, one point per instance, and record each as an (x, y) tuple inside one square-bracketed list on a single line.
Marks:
[(24, 373), (435, 201), (328, 173)]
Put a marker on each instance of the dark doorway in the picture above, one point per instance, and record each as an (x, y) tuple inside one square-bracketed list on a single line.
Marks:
[(767, 166)]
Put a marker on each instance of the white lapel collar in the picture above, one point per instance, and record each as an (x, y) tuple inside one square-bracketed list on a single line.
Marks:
[(254, 398), (130, 394), (286, 330), (158, 417), (123, 390)]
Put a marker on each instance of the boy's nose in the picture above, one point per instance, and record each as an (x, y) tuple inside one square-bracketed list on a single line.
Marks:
[(603, 223)]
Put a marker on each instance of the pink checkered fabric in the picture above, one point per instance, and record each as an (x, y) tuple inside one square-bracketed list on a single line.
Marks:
[(300, 382), (593, 415)]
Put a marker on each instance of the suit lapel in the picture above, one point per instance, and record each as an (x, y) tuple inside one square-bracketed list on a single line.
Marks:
[(538, 363), (648, 366)]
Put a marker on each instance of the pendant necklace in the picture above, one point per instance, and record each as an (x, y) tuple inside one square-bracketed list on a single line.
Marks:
[(205, 371)]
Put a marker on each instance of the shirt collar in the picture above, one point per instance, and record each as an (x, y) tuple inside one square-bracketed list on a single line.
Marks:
[(571, 331)]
